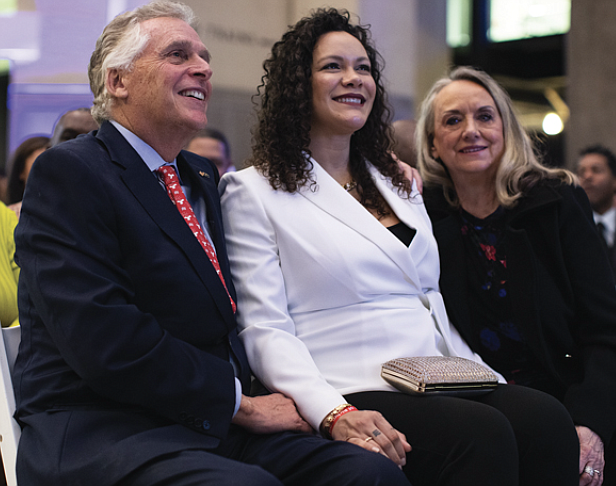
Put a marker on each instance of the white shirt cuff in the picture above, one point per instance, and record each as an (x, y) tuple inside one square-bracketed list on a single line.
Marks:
[(238, 395)]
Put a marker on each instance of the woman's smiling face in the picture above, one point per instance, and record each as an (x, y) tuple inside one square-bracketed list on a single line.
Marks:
[(343, 88), (468, 130)]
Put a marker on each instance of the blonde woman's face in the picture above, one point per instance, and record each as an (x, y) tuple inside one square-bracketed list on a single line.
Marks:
[(468, 131)]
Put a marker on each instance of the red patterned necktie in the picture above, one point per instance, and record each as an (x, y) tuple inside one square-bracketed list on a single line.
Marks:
[(172, 184)]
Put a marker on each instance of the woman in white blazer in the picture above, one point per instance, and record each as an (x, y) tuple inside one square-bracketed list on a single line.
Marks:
[(336, 272)]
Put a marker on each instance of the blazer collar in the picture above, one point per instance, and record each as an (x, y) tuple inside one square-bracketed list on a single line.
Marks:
[(542, 194), (147, 190), (332, 198)]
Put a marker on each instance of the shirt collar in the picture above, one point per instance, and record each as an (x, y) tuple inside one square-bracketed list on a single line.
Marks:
[(608, 218), (150, 156)]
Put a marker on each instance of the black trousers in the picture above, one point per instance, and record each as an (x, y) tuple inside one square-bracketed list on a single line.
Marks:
[(609, 476), (245, 459), (511, 436)]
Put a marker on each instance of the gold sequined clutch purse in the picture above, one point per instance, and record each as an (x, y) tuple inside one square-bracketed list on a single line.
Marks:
[(429, 375)]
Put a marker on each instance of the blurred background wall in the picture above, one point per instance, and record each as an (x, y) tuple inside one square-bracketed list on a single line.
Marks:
[(45, 47), (591, 75), (48, 43)]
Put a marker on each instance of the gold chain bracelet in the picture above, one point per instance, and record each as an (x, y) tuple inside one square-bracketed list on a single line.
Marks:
[(330, 417)]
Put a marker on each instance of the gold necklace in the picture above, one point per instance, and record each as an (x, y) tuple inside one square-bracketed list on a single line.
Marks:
[(349, 186)]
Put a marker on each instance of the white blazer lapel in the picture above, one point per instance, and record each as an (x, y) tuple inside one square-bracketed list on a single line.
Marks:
[(411, 212), (331, 197)]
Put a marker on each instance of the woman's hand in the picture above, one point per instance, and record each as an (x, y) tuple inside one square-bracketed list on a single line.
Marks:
[(592, 461), (370, 430)]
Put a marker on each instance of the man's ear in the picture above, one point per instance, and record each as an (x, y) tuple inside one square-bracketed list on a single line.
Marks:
[(115, 84)]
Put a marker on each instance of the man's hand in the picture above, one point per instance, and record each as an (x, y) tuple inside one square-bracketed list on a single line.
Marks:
[(370, 430), (269, 414), (592, 462)]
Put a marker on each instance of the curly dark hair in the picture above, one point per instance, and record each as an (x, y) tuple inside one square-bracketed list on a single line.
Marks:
[(282, 136)]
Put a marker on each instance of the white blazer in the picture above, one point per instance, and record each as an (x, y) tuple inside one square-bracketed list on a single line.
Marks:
[(326, 293)]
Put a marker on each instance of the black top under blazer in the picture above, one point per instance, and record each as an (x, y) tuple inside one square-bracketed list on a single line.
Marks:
[(561, 288), (126, 328)]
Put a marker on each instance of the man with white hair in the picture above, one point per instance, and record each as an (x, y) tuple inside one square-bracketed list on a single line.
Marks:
[(130, 371)]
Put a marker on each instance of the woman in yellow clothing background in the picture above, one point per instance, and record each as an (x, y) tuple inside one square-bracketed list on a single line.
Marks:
[(9, 271)]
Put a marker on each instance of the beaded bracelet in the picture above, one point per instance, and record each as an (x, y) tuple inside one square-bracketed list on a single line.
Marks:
[(346, 410), (328, 422)]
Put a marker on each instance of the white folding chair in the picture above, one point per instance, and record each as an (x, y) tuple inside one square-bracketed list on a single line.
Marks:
[(9, 429)]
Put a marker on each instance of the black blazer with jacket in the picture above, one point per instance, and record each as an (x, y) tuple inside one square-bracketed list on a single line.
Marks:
[(126, 328), (562, 293)]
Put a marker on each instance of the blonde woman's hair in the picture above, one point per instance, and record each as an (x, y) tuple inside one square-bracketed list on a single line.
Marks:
[(520, 167), (120, 45)]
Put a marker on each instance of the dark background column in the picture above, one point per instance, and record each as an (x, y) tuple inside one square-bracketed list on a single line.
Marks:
[(591, 70)]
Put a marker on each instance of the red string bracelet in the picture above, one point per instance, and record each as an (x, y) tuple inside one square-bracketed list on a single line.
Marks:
[(348, 409)]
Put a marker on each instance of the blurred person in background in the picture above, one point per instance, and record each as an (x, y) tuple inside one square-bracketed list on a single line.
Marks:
[(213, 145), (404, 141), (597, 172), (19, 169), (4, 183), (9, 271), (71, 124)]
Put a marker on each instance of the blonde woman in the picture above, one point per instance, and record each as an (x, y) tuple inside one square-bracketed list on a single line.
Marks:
[(523, 273)]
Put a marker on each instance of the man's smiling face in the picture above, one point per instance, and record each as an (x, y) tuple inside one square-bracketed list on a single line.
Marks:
[(169, 86)]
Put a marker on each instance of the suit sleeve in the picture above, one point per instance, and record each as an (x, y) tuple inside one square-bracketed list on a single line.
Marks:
[(592, 401), (278, 358), (77, 280)]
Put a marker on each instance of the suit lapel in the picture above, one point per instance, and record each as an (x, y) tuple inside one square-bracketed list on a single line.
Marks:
[(203, 182), (334, 200), (147, 190), (612, 255), (411, 212)]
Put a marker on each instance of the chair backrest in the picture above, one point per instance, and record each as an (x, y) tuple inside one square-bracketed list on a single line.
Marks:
[(9, 429)]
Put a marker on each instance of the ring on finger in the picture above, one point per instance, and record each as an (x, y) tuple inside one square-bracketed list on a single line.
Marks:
[(591, 472), (368, 439)]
